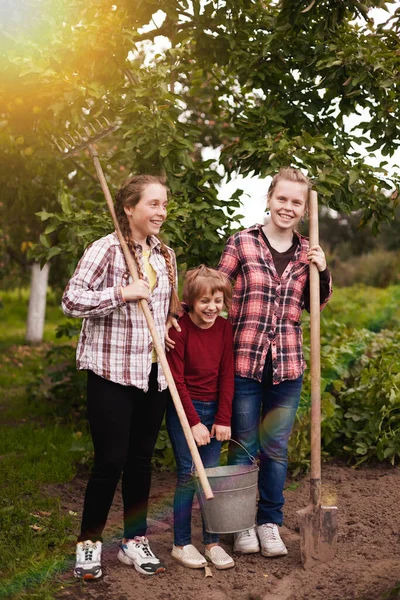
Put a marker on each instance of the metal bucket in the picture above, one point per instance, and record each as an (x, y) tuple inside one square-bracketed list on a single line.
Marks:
[(234, 505)]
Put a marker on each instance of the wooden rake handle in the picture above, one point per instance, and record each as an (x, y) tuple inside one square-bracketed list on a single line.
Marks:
[(156, 340), (315, 355)]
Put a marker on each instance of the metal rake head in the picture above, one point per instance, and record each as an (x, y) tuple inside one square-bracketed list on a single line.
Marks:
[(77, 142)]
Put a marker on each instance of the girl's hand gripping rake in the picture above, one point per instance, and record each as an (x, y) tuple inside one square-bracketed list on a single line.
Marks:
[(87, 141), (318, 524)]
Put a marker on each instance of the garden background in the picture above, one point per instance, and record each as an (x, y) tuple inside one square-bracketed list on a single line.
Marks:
[(255, 85)]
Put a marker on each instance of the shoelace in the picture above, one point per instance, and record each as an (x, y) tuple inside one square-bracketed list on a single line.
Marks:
[(89, 549), (271, 532), (144, 546), (245, 533)]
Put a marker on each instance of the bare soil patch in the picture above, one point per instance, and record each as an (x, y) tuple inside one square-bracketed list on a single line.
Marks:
[(366, 566)]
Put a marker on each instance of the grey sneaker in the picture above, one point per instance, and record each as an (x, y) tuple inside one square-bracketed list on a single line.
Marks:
[(271, 542), (137, 553), (246, 541), (88, 560)]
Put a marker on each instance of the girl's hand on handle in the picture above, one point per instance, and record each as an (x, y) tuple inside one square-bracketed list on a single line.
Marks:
[(201, 434), (138, 290), (221, 432), (317, 256), (171, 322)]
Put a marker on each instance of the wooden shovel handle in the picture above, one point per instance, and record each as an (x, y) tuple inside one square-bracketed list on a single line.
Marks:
[(315, 359), (156, 340)]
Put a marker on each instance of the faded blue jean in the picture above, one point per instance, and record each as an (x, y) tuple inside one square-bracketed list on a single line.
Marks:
[(185, 488), (262, 420)]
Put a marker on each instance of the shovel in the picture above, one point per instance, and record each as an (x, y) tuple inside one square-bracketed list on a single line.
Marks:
[(318, 523), (88, 141)]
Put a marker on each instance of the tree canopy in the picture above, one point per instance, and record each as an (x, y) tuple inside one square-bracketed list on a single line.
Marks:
[(269, 83)]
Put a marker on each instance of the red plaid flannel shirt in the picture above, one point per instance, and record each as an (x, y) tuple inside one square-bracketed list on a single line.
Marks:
[(115, 341), (266, 309)]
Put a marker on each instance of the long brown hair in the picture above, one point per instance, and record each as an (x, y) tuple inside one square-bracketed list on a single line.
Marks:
[(129, 195), (202, 280)]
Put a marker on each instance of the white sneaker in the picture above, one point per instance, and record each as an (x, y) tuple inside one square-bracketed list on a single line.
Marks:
[(219, 558), (189, 556), (246, 541), (88, 560), (137, 552), (271, 542)]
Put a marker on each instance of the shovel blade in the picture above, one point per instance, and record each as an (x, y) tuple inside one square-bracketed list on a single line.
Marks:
[(318, 534)]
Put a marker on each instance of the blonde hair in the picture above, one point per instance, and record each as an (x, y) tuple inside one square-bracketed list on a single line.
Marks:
[(129, 195), (203, 279), (290, 174)]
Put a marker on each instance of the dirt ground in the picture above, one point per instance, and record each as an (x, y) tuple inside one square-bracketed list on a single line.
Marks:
[(366, 566)]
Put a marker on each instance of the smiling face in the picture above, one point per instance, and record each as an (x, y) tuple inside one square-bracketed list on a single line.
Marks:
[(206, 308), (287, 204), (147, 216)]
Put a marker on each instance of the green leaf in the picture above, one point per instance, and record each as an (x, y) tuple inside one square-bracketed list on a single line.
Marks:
[(51, 227), (44, 241), (54, 251), (65, 203), (353, 176), (44, 215)]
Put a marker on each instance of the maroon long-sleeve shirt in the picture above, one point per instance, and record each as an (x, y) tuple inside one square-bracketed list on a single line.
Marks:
[(202, 367)]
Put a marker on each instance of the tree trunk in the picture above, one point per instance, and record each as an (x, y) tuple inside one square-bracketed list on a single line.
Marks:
[(37, 303)]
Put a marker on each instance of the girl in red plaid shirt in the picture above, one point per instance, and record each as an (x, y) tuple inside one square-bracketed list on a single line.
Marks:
[(270, 267), (127, 390)]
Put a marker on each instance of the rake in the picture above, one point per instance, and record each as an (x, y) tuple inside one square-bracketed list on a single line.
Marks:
[(74, 145)]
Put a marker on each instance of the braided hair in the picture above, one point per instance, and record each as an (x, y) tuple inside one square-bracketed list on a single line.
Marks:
[(128, 196)]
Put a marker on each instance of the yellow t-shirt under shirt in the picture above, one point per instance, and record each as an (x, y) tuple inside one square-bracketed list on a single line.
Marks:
[(152, 277)]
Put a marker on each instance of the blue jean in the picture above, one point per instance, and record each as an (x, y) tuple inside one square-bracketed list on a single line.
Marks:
[(185, 488), (262, 420)]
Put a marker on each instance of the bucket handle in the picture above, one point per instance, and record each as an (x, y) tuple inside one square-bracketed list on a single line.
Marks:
[(253, 460)]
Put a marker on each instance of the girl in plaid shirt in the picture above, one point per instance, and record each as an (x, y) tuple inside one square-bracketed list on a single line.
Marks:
[(126, 390), (270, 267)]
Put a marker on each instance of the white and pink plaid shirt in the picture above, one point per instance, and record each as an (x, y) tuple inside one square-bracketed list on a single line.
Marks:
[(115, 341)]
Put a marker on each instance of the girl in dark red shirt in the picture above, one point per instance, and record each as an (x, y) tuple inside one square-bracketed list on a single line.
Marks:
[(202, 366)]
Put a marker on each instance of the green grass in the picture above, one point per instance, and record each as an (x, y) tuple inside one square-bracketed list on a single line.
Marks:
[(13, 315), (366, 307), (36, 534)]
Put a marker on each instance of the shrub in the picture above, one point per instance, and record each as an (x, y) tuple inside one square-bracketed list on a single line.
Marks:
[(59, 388), (379, 268), (342, 355), (362, 306), (369, 407)]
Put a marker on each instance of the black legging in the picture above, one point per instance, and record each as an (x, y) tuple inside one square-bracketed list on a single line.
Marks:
[(124, 423)]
